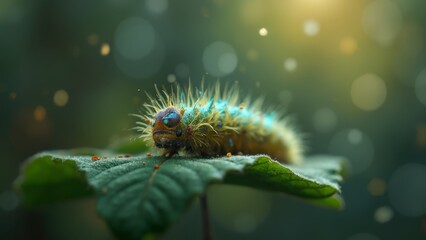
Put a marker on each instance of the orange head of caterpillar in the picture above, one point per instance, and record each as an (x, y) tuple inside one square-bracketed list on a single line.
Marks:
[(167, 129)]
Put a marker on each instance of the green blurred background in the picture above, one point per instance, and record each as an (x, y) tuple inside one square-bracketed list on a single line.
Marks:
[(353, 74)]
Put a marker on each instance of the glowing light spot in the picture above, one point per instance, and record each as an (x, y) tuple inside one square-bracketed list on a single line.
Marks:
[(93, 39), (105, 49), (252, 54), (157, 6), (134, 38), (228, 154), (354, 145), (227, 62), (39, 113), (420, 87), (382, 21), (324, 120), (219, 59), (348, 46), (60, 98), (377, 187), (171, 78), (263, 32), (368, 92), (8, 201), (407, 192), (311, 27), (355, 136), (383, 214), (290, 64), (137, 44)]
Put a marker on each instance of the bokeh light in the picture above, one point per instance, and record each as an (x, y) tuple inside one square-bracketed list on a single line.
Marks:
[(171, 78), (138, 51), (356, 146), (12, 96), (157, 6), (377, 187), (407, 191), (311, 27), (263, 32), (383, 214), (368, 92), (39, 113), (93, 39), (290, 64), (324, 120), (382, 21), (135, 38), (105, 49), (348, 45), (252, 54), (60, 98), (219, 59)]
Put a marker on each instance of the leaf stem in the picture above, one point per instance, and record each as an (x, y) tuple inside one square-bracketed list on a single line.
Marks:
[(207, 235)]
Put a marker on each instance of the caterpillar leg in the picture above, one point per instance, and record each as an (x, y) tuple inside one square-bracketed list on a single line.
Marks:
[(170, 152)]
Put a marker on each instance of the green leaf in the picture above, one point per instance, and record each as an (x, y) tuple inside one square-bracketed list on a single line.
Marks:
[(139, 195)]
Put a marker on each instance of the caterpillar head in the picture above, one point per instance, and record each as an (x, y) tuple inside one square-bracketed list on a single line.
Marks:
[(167, 129)]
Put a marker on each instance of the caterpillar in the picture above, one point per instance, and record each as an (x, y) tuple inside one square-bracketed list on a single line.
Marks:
[(211, 122)]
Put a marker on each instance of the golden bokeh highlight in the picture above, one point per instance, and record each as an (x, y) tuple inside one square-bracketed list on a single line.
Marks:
[(252, 54), (60, 98), (93, 39), (105, 49), (377, 187), (348, 46), (263, 32), (368, 92), (39, 113)]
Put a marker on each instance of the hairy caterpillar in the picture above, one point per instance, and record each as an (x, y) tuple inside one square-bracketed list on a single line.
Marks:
[(209, 122)]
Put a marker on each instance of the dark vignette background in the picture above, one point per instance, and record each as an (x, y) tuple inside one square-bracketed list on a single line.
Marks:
[(352, 73)]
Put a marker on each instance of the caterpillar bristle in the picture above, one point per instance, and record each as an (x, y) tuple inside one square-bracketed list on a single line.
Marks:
[(209, 122)]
